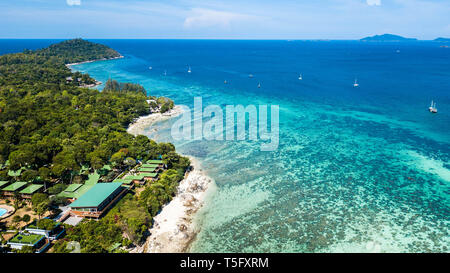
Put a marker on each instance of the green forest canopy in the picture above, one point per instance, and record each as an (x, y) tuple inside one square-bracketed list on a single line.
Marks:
[(52, 127)]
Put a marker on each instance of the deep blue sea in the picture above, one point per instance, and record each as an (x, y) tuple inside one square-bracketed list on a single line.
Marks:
[(363, 169)]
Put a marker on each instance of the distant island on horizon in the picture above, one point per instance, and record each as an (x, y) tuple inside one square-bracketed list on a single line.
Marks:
[(397, 38)]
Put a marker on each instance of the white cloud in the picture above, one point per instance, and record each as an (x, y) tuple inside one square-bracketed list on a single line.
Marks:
[(373, 2), (73, 2), (200, 17)]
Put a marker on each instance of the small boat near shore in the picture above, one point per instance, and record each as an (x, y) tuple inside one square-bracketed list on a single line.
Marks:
[(356, 84)]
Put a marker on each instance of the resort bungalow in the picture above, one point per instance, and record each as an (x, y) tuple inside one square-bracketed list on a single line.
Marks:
[(30, 190), (13, 188), (150, 176), (97, 200), (158, 162), (147, 169), (3, 184), (51, 229), (138, 178), (70, 191), (38, 242), (125, 183)]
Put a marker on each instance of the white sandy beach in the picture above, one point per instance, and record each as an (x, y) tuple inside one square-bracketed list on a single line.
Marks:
[(144, 122), (174, 228), (69, 65)]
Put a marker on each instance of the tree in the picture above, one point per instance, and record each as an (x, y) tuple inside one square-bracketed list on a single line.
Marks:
[(40, 209), (26, 218), (44, 173), (118, 157), (17, 219), (40, 203), (29, 175), (26, 249), (56, 189)]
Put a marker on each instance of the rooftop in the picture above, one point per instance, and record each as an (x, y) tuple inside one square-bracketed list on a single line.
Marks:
[(92, 178), (150, 174), (147, 169), (96, 195), (134, 177), (15, 173), (15, 186), (3, 183), (123, 181), (155, 161), (73, 187), (29, 239), (31, 189)]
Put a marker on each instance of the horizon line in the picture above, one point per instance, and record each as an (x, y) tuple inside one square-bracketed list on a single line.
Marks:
[(235, 39)]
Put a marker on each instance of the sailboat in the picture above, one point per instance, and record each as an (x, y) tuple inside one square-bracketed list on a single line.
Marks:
[(189, 70), (259, 85), (356, 83), (432, 108), (300, 77)]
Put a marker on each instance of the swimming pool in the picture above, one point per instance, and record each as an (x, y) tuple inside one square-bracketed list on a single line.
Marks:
[(3, 212)]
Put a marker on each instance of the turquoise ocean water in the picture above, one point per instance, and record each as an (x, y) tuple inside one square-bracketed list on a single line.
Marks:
[(358, 169)]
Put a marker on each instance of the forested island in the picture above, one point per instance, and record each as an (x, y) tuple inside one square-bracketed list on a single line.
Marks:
[(387, 38), (56, 133)]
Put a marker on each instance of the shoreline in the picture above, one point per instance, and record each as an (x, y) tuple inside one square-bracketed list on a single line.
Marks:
[(92, 61), (175, 228), (97, 83), (144, 122)]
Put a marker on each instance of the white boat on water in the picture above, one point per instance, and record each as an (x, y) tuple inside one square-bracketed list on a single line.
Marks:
[(189, 70), (250, 75), (259, 85), (150, 67), (300, 77), (356, 84), (432, 107)]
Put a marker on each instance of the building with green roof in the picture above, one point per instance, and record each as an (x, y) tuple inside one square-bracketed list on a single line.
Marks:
[(150, 175), (147, 170), (30, 190), (154, 161), (3, 184), (15, 173), (97, 200), (125, 183), (137, 177), (38, 242), (92, 178), (70, 191), (14, 187), (149, 166)]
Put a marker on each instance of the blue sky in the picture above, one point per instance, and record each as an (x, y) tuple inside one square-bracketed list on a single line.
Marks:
[(225, 19)]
